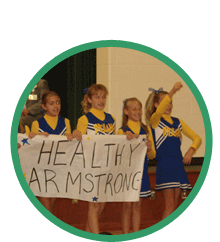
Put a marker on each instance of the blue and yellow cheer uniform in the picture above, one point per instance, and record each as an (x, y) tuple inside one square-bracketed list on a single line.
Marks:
[(52, 125), (136, 128), (96, 122), (167, 133)]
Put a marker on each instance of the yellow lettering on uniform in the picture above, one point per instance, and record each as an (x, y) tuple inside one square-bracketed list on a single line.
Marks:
[(104, 128), (97, 128), (171, 132)]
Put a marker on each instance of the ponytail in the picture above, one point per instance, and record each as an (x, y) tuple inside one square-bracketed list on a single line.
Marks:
[(86, 106), (149, 107), (153, 98)]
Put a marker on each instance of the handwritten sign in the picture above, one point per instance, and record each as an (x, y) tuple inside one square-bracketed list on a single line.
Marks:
[(98, 169)]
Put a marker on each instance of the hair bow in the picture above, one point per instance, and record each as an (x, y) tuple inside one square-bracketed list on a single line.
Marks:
[(85, 91), (156, 91), (42, 111)]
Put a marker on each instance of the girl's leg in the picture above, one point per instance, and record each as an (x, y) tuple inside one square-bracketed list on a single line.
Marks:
[(126, 217), (52, 202), (169, 197), (87, 227), (177, 195), (101, 208), (136, 215), (94, 212), (93, 221), (45, 201)]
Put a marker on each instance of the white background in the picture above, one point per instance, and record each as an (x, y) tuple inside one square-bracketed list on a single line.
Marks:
[(33, 33)]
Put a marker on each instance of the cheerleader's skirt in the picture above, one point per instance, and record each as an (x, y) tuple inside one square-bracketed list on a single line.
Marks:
[(171, 174), (145, 185)]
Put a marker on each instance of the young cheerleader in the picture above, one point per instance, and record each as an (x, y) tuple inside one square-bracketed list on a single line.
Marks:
[(51, 123), (171, 176), (132, 127), (95, 121)]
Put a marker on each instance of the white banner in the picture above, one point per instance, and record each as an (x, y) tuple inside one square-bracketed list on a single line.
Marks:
[(99, 169)]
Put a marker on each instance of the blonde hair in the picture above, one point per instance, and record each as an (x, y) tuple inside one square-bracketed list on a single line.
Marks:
[(150, 108), (86, 105), (127, 102)]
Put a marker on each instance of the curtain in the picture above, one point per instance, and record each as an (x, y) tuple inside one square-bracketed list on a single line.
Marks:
[(69, 78)]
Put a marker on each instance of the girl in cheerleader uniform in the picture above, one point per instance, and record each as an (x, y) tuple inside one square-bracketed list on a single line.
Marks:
[(51, 123), (132, 127), (167, 131), (95, 121)]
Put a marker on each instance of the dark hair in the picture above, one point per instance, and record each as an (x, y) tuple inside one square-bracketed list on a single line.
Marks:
[(48, 94)]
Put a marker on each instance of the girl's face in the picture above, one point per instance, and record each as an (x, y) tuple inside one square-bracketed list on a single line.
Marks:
[(134, 111), (52, 106), (169, 108), (98, 100)]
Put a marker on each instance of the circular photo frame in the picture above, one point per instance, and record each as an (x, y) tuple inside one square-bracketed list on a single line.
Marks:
[(168, 62)]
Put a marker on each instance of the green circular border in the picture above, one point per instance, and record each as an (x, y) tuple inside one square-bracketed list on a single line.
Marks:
[(159, 56)]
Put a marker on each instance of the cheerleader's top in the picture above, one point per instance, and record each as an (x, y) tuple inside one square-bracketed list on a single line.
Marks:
[(167, 131), (52, 125), (136, 128), (97, 122)]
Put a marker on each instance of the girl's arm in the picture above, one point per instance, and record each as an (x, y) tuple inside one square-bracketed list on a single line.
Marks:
[(129, 134), (81, 128), (155, 118), (82, 124), (120, 132), (151, 153), (195, 145), (35, 130), (27, 130), (77, 134), (188, 156), (68, 130), (161, 108), (175, 88), (35, 127), (115, 124), (68, 127), (31, 135)]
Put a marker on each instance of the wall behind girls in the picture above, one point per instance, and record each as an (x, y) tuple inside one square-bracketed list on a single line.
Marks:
[(129, 73)]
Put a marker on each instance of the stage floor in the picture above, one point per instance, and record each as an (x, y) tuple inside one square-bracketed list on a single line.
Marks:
[(110, 220)]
